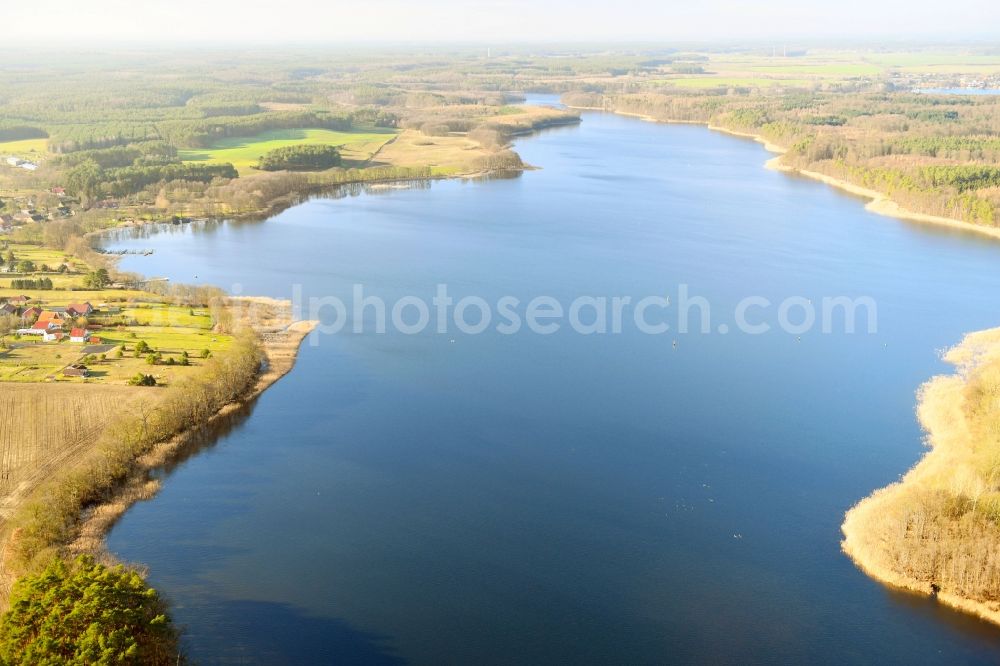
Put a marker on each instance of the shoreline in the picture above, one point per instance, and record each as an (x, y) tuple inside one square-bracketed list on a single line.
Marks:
[(938, 408), (280, 339), (879, 203), (866, 524)]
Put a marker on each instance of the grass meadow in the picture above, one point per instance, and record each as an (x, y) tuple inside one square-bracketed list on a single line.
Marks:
[(243, 152)]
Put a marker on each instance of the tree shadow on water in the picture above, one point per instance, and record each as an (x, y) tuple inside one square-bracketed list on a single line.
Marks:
[(262, 632)]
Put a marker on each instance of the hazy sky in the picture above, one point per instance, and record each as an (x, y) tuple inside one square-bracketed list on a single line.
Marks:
[(50, 21)]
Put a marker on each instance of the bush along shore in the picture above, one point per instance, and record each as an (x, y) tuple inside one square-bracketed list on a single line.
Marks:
[(936, 531)]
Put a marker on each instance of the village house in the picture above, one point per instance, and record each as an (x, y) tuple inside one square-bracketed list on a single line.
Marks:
[(53, 318), (79, 309), (53, 335), (8, 309), (79, 335), (38, 328), (75, 370), (31, 314)]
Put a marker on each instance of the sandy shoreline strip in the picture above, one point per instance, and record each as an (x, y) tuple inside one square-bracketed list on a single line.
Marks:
[(879, 203)]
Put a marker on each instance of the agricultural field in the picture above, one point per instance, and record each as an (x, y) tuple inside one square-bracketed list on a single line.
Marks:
[(26, 148), (820, 69), (42, 255), (931, 61), (165, 329), (704, 82), (67, 296), (46, 429), (446, 155), (244, 152)]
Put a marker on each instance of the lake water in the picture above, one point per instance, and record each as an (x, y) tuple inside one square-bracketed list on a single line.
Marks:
[(566, 498)]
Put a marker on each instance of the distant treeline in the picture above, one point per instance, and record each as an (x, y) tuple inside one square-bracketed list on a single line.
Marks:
[(300, 158), (89, 180), (119, 156), (201, 125), (936, 155), (124, 181), (21, 132), (202, 133)]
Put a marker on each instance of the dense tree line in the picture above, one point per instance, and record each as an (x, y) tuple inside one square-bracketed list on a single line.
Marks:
[(201, 133), (89, 180), (13, 132), (90, 136), (119, 156), (128, 180), (83, 612), (44, 283), (300, 158)]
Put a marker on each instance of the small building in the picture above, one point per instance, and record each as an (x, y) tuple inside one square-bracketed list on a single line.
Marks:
[(19, 300), (79, 309), (42, 326), (53, 335), (52, 317), (34, 330), (79, 335), (76, 370), (14, 161), (31, 314), (8, 309)]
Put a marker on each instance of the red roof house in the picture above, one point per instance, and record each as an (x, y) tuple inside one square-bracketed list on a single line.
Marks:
[(79, 309), (31, 313)]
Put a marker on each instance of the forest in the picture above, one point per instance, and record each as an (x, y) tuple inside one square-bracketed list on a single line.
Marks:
[(300, 158)]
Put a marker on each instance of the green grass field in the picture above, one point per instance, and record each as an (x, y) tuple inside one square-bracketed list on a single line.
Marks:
[(161, 314), (24, 148), (957, 62), (243, 152), (30, 360), (821, 69)]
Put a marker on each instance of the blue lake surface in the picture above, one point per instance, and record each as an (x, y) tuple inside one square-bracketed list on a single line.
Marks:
[(566, 498)]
